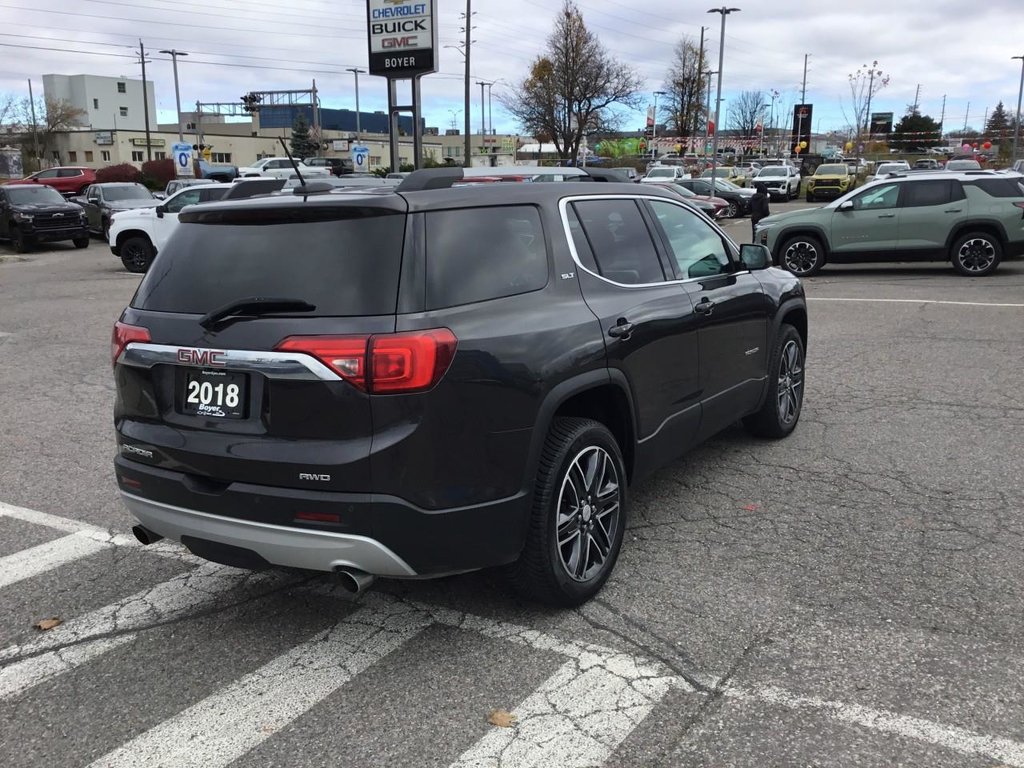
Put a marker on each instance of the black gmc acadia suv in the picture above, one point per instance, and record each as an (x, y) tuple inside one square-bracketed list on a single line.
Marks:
[(441, 378)]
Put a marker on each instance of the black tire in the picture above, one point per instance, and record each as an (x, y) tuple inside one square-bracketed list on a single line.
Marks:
[(21, 243), (136, 254), (734, 211), (781, 409), (542, 572), (802, 255), (976, 254), (105, 230), (81, 242)]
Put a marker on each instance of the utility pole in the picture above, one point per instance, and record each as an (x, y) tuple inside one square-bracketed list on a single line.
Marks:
[(942, 117), (654, 127), (490, 111), (177, 94), (724, 11), (917, 98), (803, 87), (145, 99), (469, 42), (1020, 91), (698, 89), (966, 116), (483, 109), (356, 71), (35, 127), (707, 122)]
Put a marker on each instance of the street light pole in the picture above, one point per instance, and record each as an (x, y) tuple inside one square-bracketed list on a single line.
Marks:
[(707, 121), (177, 94), (357, 72), (654, 126), (724, 11), (1020, 91)]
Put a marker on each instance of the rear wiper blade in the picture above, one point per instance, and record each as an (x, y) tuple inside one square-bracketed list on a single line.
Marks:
[(254, 306)]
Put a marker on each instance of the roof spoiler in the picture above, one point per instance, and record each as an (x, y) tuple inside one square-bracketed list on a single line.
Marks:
[(443, 178)]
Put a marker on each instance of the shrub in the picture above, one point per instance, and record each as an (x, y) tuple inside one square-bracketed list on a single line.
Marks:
[(156, 173), (122, 172)]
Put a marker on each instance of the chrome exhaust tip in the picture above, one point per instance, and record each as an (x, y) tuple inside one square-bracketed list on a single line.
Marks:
[(145, 536), (355, 581)]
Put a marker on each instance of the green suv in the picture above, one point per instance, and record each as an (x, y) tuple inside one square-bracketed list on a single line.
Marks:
[(973, 219)]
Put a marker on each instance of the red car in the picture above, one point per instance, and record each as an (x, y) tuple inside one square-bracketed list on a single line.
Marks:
[(68, 180)]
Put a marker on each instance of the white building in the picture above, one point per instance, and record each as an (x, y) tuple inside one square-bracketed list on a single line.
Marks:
[(109, 103)]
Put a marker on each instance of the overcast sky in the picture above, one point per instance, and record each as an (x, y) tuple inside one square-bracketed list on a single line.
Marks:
[(958, 49)]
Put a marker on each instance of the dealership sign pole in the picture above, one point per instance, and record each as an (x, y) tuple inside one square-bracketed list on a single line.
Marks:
[(403, 46)]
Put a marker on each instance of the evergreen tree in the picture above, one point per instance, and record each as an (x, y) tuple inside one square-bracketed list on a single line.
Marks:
[(302, 145), (916, 131), (998, 125)]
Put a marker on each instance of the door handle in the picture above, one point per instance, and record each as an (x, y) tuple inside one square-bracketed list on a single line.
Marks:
[(705, 307), (621, 330), (953, 210), (887, 216)]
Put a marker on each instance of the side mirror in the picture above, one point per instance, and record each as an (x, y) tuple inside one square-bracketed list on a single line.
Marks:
[(94, 200), (160, 211), (755, 256), (845, 206)]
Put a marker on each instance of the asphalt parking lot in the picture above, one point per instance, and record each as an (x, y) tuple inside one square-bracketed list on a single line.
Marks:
[(853, 595)]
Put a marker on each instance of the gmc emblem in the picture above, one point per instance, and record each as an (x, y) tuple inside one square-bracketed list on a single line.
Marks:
[(203, 357)]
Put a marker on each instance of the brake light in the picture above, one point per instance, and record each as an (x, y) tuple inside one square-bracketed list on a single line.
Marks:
[(382, 364), (123, 335), (1019, 205)]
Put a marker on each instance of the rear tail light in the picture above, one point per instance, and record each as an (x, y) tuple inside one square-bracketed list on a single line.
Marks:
[(1019, 205), (123, 335), (383, 364)]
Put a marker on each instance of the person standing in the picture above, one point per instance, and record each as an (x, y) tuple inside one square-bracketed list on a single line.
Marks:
[(758, 207)]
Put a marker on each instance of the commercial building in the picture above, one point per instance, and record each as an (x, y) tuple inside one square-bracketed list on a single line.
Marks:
[(106, 103)]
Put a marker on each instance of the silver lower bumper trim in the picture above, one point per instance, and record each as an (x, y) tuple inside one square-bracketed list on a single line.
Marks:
[(290, 547)]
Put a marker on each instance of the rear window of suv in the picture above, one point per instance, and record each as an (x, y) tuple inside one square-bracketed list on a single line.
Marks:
[(998, 187), (345, 261)]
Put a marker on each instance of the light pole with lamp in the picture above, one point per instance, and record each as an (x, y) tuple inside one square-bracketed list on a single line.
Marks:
[(177, 94), (1020, 91), (707, 121), (357, 72), (654, 126), (718, 101)]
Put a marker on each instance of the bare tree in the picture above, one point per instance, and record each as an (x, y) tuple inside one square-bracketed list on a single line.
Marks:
[(570, 87), (746, 111), (8, 109), (684, 86), (51, 116), (864, 84)]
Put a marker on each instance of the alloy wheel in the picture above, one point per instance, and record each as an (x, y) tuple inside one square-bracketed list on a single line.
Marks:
[(589, 513), (791, 382), (801, 257), (976, 254)]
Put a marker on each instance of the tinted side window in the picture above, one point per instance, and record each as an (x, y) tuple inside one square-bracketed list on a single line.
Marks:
[(922, 193), (620, 241), (185, 198), (697, 248), (68, 172), (477, 254), (579, 240), (999, 187), (877, 198)]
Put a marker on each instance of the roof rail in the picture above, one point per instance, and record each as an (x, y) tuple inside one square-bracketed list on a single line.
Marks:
[(443, 178)]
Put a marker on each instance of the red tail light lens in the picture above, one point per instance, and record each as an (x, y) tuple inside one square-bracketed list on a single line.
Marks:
[(345, 355), (383, 364), (122, 335)]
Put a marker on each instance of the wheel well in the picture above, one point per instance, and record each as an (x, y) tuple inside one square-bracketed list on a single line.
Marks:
[(988, 229), (607, 404), (797, 317), (122, 236), (787, 236)]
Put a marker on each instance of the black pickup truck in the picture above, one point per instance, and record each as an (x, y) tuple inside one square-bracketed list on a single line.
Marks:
[(35, 214)]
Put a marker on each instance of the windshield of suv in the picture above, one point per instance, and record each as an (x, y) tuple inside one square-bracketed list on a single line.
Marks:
[(723, 184), (885, 168), (963, 165), (344, 260), (774, 170), (127, 192), (830, 170), (41, 195), (659, 173)]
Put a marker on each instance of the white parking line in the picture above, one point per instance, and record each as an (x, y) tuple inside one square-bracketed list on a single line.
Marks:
[(223, 727), (920, 301), (44, 557)]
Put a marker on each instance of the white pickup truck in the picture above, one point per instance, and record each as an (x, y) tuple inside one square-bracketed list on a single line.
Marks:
[(281, 168)]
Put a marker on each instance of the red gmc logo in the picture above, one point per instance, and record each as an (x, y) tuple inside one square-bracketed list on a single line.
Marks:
[(207, 357)]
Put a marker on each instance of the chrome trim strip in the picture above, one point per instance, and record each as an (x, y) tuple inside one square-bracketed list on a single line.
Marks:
[(289, 547), (563, 204), (294, 366)]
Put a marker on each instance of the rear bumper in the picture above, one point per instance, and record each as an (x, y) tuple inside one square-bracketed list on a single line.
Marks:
[(382, 535)]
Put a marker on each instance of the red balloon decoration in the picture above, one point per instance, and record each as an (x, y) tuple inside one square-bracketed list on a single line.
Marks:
[(987, 145)]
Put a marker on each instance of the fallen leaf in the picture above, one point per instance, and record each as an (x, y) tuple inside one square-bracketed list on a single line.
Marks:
[(502, 718), (750, 508), (45, 624)]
